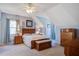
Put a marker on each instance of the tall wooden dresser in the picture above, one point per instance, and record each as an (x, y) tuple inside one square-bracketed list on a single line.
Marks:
[(68, 34), (71, 48)]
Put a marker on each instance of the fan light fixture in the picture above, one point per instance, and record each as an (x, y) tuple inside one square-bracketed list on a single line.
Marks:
[(30, 8)]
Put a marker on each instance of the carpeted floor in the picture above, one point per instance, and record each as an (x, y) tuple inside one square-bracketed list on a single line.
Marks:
[(22, 50)]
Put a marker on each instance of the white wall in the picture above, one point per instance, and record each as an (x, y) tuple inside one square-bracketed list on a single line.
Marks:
[(64, 16), (23, 22)]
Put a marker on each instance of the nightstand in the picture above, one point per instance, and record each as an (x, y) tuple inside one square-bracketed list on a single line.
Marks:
[(18, 39)]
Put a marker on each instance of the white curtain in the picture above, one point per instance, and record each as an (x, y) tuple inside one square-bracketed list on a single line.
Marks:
[(0, 32), (3, 28)]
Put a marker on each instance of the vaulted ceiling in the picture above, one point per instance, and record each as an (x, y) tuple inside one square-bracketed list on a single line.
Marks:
[(19, 8)]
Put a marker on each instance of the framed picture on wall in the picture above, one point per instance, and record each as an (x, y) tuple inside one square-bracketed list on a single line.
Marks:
[(29, 23)]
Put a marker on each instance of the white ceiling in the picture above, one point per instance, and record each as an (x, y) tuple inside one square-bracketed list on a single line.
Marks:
[(19, 8)]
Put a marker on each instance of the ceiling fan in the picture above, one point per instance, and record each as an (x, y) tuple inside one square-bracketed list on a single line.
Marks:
[(30, 8)]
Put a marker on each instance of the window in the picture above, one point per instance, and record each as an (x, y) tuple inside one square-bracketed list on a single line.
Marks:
[(12, 27)]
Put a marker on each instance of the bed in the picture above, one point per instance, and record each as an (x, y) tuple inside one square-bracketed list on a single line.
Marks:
[(29, 36)]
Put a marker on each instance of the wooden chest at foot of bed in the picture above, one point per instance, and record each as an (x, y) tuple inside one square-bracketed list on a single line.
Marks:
[(43, 44), (33, 42)]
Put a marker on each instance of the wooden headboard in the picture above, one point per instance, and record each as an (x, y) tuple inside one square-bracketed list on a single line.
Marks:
[(27, 31)]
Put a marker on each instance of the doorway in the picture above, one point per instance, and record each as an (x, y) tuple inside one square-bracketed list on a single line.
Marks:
[(48, 30)]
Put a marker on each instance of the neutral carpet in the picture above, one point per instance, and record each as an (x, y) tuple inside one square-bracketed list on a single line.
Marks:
[(22, 50)]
